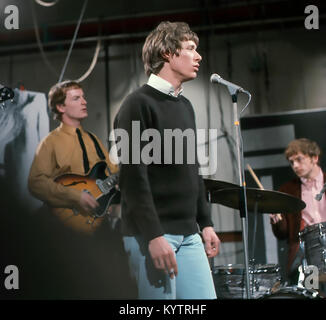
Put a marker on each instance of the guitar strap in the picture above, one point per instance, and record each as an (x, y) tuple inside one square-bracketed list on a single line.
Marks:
[(99, 151), (97, 147)]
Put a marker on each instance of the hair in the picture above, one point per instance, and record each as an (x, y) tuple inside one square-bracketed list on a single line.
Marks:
[(57, 96), (303, 145), (166, 38)]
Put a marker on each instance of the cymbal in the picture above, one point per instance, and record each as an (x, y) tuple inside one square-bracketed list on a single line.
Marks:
[(212, 185), (267, 201)]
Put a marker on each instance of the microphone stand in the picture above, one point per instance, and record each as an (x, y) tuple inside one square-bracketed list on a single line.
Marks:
[(242, 191)]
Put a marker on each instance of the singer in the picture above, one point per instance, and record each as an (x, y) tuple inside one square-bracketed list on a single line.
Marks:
[(304, 158), (163, 205)]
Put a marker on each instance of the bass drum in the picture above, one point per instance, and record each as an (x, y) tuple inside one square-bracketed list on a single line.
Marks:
[(292, 292)]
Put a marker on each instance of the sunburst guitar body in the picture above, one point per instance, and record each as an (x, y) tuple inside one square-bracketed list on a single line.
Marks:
[(100, 186)]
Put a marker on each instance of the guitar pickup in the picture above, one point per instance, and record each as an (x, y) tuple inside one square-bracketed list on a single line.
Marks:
[(104, 187)]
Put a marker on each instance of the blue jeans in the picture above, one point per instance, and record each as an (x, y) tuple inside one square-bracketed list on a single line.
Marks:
[(194, 279)]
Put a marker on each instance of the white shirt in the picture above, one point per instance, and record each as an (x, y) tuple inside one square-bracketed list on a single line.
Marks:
[(162, 85)]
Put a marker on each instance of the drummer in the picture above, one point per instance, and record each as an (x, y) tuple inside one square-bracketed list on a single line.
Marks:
[(303, 156)]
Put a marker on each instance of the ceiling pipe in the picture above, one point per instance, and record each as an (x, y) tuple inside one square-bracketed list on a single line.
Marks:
[(225, 27)]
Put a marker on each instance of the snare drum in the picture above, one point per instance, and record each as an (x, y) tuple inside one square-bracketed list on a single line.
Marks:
[(313, 245), (292, 292), (230, 282)]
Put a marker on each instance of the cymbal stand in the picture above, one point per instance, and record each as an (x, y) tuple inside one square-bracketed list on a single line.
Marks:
[(242, 196), (253, 246)]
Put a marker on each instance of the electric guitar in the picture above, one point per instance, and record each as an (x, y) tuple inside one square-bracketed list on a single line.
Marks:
[(100, 186)]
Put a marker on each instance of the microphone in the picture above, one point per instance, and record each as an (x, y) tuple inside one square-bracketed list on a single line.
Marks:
[(320, 194), (231, 86)]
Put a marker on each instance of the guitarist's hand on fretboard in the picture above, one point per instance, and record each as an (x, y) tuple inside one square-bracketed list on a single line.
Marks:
[(87, 202)]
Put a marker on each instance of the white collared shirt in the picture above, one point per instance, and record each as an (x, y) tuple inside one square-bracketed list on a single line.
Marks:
[(162, 85)]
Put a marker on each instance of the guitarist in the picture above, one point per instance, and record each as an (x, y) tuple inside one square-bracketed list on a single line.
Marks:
[(67, 149), (77, 265)]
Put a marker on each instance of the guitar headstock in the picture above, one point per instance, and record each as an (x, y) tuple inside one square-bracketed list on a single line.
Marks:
[(6, 94)]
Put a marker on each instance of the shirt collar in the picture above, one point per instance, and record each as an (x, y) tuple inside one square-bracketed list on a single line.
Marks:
[(162, 85), (68, 129), (319, 180)]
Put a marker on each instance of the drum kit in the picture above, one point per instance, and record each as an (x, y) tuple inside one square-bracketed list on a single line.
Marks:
[(265, 280), (249, 280)]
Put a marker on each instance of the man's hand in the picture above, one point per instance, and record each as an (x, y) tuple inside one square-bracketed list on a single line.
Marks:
[(211, 241), (87, 202), (163, 256), (275, 218)]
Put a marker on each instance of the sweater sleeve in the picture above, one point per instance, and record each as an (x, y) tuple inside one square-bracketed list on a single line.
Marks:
[(131, 121), (203, 215), (280, 229)]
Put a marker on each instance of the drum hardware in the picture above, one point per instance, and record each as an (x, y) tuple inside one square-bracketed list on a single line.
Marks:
[(242, 198), (322, 236), (255, 232), (313, 245), (292, 292), (304, 262), (301, 277), (243, 210), (322, 239), (259, 201), (212, 185), (267, 201), (276, 286), (230, 280)]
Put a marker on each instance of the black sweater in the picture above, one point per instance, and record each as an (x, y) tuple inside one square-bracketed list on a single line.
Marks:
[(160, 197)]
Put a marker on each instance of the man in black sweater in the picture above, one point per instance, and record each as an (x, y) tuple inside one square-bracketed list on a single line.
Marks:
[(162, 194)]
